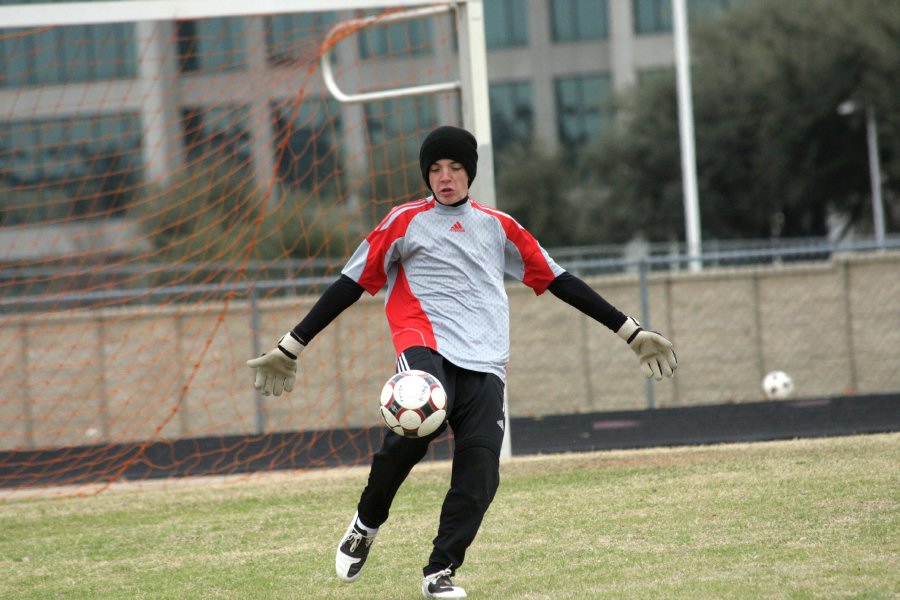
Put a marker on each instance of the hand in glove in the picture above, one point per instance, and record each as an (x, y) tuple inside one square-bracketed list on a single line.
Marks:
[(276, 370), (655, 353)]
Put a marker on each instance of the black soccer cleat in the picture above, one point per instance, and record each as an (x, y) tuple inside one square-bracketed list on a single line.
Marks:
[(353, 551), (439, 585)]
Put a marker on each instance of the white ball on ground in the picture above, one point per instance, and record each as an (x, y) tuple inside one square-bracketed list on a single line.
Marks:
[(778, 385)]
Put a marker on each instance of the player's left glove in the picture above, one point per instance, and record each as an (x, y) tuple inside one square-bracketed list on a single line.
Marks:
[(655, 353), (276, 370)]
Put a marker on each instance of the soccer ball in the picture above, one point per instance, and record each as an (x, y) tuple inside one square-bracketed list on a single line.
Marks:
[(777, 385), (413, 404)]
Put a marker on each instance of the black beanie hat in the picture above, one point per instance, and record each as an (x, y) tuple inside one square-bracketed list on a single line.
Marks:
[(449, 142)]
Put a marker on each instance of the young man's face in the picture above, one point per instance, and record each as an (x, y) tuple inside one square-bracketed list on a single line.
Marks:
[(449, 181)]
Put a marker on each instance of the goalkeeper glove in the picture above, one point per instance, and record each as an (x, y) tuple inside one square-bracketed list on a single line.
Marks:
[(276, 370), (655, 353)]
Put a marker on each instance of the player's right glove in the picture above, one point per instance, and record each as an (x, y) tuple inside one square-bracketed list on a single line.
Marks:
[(276, 370), (655, 353)]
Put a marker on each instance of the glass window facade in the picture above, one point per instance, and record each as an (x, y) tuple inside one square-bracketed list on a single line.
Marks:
[(307, 142), (217, 130), (399, 120), (655, 16), (505, 23), (705, 9), (394, 129), (71, 54), (94, 157), (55, 150), (409, 38), (512, 113), (296, 36), (211, 44), (579, 20), (652, 16), (582, 108)]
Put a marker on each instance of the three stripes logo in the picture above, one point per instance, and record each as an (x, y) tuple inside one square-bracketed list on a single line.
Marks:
[(457, 228)]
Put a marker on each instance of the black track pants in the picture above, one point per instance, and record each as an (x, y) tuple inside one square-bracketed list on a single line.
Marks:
[(476, 417)]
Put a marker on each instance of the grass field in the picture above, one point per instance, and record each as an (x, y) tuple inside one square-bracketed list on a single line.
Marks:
[(799, 519)]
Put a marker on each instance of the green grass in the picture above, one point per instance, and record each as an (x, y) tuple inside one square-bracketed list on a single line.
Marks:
[(799, 519)]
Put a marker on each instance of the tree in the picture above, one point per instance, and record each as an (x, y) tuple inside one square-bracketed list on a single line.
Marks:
[(774, 157), (538, 190)]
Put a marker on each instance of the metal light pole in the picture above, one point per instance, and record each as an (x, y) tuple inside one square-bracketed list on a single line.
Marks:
[(850, 107), (686, 128), (875, 176)]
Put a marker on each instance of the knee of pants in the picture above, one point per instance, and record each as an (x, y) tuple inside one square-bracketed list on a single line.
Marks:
[(476, 473), (397, 449)]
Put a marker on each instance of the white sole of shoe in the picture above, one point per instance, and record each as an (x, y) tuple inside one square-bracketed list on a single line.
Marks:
[(447, 595), (454, 594)]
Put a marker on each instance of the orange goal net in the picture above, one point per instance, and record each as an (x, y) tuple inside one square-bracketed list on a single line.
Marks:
[(174, 193)]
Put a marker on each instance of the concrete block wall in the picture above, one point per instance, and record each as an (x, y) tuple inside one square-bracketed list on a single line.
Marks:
[(178, 371)]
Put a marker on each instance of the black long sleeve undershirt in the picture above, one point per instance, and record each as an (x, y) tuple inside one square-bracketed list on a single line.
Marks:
[(339, 296), (574, 291), (344, 292)]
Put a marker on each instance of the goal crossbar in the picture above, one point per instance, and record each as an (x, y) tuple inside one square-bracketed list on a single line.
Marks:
[(123, 11)]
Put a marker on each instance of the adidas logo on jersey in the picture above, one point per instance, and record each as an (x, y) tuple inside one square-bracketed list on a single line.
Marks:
[(457, 227)]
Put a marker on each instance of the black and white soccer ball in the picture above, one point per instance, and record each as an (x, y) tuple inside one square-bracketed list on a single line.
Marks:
[(413, 404), (778, 385)]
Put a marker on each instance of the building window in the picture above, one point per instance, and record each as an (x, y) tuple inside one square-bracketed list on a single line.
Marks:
[(216, 131), (578, 20), (307, 142), (655, 16), (583, 112), (708, 9), (211, 44), (512, 115), (505, 23), (652, 16), (95, 158), (395, 129), (412, 38), (71, 54), (296, 37), (399, 120)]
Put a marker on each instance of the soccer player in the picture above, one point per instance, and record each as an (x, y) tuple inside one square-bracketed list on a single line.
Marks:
[(443, 260)]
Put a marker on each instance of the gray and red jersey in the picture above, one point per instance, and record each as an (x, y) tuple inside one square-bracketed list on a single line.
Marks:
[(444, 268)]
